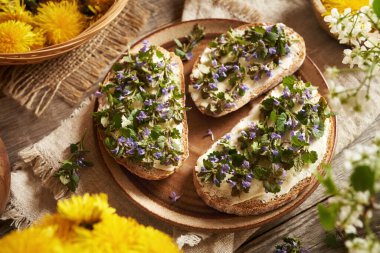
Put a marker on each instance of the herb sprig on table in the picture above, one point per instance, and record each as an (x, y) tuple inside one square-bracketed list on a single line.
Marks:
[(68, 172), (184, 49), (236, 58), (290, 245), (144, 109), (278, 142)]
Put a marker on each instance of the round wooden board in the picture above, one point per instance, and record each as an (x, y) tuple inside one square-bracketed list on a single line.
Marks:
[(190, 212), (5, 177)]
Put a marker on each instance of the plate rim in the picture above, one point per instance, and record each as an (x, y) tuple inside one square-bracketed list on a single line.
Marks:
[(305, 194)]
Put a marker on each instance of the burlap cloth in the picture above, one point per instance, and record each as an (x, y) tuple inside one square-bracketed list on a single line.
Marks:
[(74, 74), (30, 200)]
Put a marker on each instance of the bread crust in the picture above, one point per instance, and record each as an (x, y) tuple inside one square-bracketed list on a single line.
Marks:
[(139, 169), (268, 85), (255, 206)]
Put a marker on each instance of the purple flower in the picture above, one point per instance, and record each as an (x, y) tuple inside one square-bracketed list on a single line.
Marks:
[(134, 78), (272, 50), (197, 86), (121, 140), (236, 67), (225, 168), (140, 151), (222, 40), (232, 183), (213, 86), (286, 92), (213, 159), (269, 28), (249, 177), (269, 73), (115, 150), (171, 87), (289, 122), (157, 155), (216, 181), (119, 76), (315, 128), (203, 169), (292, 133), (142, 89), (276, 166), (229, 105), (141, 116), (254, 55), (98, 94), (214, 63), (146, 132), (80, 162), (287, 48), (189, 56), (145, 46), (164, 91), (160, 107), (228, 137), (215, 76), (302, 137), (275, 152), (245, 164), (252, 135), (244, 87), (264, 148), (246, 184), (130, 142), (283, 173), (210, 133), (173, 196), (148, 102), (235, 48), (160, 64), (315, 107), (275, 136), (276, 102), (149, 78), (307, 93), (222, 69)]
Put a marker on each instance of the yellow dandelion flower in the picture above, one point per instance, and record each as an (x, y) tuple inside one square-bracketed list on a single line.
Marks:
[(341, 5), (60, 21), (14, 11), (99, 6), (19, 37), (31, 240), (65, 229), (116, 234), (86, 210)]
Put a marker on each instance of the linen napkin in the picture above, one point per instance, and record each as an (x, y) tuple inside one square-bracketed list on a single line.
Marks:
[(30, 200)]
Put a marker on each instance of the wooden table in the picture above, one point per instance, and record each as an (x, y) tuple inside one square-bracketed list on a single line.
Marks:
[(19, 128)]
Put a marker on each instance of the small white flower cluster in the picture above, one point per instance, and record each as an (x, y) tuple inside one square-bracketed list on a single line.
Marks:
[(361, 31), (360, 245), (356, 207)]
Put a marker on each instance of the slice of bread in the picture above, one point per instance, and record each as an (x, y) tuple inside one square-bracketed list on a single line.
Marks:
[(138, 168), (257, 200), (290, 63)]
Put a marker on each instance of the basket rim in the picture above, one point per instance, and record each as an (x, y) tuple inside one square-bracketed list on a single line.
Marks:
[(103, 21)]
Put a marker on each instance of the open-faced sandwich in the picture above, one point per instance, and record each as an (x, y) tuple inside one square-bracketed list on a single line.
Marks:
[(240, 65), (270, 156), (141, 116)]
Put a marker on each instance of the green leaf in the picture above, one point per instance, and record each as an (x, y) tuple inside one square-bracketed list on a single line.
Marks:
[(310, 157), (363, 179), (64, 179), (376, 7), (261, 173), (328, 216), (273, 116), (161, 141), (117, 67), (280, 123), (328, 181), (73, 148), (175, 134), (178, 43), (289, 81), (159, 54)]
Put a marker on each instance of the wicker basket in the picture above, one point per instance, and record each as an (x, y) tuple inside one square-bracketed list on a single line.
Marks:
[(319, 10), (50, 52)]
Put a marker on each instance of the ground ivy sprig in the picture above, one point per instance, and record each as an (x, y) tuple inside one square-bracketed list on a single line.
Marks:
[(68, 172), (360, 30), (350, 211), (184, 49), (290, 245)]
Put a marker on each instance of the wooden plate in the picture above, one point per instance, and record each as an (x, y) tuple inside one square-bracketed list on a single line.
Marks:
[(5, 177), (190, 212)]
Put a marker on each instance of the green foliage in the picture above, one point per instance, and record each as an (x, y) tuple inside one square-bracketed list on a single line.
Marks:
[(184, 49), (376, 7), (68, 172)]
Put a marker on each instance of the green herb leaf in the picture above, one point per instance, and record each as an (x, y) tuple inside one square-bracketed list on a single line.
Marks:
[(376, 7), (363, 179), (328, 216)]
